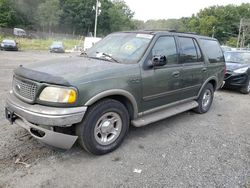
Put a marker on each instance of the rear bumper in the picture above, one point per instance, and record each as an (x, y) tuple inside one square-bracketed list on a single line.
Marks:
[(35, 117)]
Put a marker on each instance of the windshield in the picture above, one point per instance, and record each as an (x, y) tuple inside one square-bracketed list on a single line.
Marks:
[(237, 57), (121, 47), (57, 44), (7, 41)]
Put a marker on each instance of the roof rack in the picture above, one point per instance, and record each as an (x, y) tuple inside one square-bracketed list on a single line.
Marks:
[(170, 30)]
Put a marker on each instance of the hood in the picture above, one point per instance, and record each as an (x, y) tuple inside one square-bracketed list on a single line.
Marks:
[(234, 66), (65, 71)]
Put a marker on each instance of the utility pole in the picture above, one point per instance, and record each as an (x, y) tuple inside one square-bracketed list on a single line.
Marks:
[(97, 12), (242, 44), (239, 35), (213, 31)]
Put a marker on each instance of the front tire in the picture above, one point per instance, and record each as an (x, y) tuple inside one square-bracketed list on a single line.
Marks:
[(205, 99), (246, 89), (104, 127)]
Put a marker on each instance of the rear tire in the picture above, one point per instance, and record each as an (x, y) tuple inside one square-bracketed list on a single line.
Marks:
[(205, 99), (104, 127)]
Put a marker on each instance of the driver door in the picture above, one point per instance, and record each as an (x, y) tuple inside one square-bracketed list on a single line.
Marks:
[(162, 84)]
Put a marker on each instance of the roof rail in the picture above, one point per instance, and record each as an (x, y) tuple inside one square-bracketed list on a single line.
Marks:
[(170, 30)]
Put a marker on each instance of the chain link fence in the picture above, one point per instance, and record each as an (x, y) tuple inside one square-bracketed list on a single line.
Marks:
[(37, 34)]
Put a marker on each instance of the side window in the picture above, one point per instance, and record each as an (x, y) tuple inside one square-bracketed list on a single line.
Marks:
[(213, 50), (188, 52), (166, 46)]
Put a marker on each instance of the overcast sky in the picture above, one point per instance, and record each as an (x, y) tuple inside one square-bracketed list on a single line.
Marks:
[(165, 9)]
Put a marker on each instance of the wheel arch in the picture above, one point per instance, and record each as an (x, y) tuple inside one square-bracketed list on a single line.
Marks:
[(126, 98), (212, 80)]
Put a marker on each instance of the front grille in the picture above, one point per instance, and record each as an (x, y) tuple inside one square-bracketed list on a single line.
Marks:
[(25, 89)]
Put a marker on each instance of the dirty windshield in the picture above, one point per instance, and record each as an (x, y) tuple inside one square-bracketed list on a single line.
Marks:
[(121, 47)]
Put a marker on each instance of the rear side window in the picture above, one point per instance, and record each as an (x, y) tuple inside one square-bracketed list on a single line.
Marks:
[(190, 52), (213, 50)]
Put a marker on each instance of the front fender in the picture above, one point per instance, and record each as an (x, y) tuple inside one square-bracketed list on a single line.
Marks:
[(113, 92)]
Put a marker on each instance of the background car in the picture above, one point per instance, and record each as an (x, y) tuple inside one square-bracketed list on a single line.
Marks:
[(238, 70), (57, 47), (9, 44)]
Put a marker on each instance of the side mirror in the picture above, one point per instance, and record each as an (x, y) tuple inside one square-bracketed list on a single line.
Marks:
[(159, 60)]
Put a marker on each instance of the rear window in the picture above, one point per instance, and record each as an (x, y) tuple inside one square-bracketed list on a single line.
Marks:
[(213, 50)]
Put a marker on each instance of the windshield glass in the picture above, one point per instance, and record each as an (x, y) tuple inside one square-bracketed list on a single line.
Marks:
[(7, 41), (57, 44), (237, 57), (121, 47)]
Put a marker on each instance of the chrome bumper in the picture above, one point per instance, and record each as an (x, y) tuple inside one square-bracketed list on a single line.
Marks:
[(44, 115), (31, 116), (49, 137)]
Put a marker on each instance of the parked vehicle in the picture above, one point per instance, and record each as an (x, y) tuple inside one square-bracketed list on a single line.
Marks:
[(127, 78), (9, 44), (19, 32), (238, 70), (57, 47)]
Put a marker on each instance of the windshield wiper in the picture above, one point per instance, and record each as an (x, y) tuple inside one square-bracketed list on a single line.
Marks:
[(84, 54), (108, 56)]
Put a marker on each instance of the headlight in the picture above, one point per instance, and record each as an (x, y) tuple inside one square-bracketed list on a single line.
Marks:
[(241, 70), (58, 94)]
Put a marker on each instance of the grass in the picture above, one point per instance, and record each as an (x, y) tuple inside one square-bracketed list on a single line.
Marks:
[(42, 44)]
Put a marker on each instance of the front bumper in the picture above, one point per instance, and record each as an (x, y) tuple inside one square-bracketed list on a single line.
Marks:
[(35, 117), (44, 115), (236, 80), (46, 136)]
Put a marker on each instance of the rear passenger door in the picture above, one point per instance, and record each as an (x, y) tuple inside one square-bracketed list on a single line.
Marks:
[(194, 69)]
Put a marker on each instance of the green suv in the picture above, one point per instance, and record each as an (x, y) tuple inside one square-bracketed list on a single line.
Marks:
[(128, 78)]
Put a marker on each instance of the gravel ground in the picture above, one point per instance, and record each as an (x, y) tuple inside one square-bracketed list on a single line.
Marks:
[(187, 150)]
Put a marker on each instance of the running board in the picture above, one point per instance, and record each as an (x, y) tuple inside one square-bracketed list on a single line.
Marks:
[(165, 113)]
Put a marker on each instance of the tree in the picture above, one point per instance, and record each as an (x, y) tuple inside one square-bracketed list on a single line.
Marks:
[(120, 16), (7, 14), (78, 16), (49, 14)]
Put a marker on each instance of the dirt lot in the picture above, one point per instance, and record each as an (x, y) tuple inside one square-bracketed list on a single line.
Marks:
[(188, 150)]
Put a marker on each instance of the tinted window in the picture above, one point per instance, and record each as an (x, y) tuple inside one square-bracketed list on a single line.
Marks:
[(166, 46), (212, 50), (188, 52)]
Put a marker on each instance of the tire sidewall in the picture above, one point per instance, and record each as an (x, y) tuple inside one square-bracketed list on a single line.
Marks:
[(90, 121)]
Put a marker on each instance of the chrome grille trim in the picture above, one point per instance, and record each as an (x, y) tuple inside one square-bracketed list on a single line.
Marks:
[(25, 89)]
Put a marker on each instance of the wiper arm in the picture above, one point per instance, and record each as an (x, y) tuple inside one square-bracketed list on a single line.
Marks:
[(84, 54), (109, 56)]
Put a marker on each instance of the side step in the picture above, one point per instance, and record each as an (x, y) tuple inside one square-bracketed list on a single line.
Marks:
[(165, 113)]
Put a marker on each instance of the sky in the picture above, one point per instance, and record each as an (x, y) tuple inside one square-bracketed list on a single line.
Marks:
[(167, 9)]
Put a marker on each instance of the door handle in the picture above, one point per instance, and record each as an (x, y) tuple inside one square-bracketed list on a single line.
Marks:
[(176, 74), (204, 69)]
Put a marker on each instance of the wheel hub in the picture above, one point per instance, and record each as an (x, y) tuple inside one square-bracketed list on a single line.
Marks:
[(106, 127), (206, 98)]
